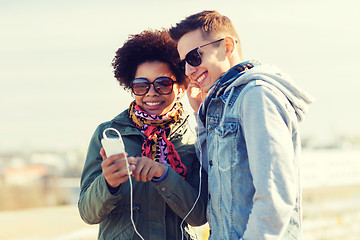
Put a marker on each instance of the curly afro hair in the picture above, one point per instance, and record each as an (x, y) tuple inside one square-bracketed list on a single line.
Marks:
[(147, 46)]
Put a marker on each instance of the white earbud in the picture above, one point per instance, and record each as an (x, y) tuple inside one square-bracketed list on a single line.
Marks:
[(181, 91)]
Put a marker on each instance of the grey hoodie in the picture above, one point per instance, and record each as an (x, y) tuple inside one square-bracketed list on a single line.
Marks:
[(274, 76)]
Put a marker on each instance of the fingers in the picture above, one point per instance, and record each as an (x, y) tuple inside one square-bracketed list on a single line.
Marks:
[(102, 153), (195, 95), (114, 169), (110, 160), (117, 178), (116, 166), (140, 173), (145, 169), (193, 90)]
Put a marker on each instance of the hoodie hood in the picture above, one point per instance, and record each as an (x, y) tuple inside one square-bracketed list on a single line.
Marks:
[(299, 99)]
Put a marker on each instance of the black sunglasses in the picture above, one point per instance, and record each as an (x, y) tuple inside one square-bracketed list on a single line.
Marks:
[(193, 57), (162, 85)]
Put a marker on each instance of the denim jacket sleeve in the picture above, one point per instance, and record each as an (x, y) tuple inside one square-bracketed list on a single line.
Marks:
[(267, 125)]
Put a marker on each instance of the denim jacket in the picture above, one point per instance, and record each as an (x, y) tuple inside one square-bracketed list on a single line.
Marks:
[(249, 147)]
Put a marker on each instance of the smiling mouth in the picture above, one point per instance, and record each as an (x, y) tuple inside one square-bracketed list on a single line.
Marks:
[(199, 79), (153, 103)]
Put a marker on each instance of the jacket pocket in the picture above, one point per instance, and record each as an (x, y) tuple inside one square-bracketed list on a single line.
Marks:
[(225, 139), (126, 234), (123, 228), (226, 131)]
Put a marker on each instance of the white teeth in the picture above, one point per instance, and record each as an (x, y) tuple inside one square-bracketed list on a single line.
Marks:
[(200, 78), (153, 103)]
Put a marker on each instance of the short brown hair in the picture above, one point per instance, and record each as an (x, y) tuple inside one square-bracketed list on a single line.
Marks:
[(209, 21)]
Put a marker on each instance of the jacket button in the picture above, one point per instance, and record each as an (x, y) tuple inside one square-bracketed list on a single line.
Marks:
[(163, 189), (211, 163)]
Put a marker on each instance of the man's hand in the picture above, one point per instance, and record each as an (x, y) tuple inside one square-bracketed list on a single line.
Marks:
[(195, 95)]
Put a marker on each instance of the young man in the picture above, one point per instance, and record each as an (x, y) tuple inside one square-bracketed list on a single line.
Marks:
[(248, 126)]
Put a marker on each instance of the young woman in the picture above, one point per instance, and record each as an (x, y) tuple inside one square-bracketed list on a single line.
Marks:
[(165, 171)]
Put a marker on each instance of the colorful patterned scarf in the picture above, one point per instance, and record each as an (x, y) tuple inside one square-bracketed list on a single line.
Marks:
[(156, 129)]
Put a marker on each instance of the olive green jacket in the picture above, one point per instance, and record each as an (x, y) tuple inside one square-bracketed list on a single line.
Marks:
[(158, 208)]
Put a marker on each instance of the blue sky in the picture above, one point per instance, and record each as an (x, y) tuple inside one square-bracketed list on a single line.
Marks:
[(57, 83)]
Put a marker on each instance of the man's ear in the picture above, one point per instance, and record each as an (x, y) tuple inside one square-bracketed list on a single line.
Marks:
[(229, 46)]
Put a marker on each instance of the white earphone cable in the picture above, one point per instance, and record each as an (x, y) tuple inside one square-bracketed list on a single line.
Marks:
[(130, 182), (131, 185), (200, 176)]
